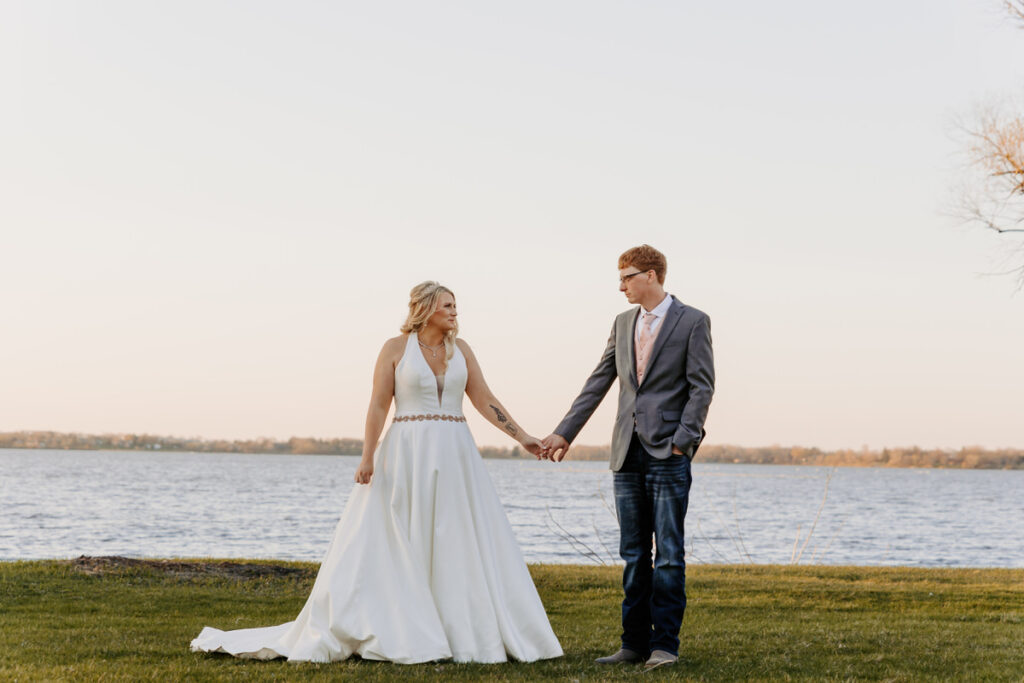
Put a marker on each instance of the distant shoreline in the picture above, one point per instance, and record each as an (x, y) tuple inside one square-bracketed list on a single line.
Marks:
[(964, 458), (152, 451)]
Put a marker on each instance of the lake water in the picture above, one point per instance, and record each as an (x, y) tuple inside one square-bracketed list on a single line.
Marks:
[(59, 504)]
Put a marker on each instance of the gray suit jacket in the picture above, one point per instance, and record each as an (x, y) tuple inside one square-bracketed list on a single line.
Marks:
[(670, 407)]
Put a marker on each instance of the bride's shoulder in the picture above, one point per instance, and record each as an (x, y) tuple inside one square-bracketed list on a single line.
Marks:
[(467, 352), (395, 346)]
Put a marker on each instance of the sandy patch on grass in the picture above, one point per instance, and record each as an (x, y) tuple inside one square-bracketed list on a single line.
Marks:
[(234, 570)]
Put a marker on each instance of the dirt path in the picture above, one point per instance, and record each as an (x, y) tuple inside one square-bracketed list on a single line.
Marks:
[(234, 570)]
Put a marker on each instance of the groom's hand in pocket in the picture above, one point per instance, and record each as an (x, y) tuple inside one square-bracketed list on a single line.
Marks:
[(556, 446)]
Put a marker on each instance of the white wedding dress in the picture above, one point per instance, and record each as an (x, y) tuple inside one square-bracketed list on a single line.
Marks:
[(423, 564)]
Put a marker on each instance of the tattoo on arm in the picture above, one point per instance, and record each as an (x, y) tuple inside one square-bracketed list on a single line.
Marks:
[(500, 417)]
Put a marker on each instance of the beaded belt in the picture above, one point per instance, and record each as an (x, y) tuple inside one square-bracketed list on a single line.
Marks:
[(419, 418)]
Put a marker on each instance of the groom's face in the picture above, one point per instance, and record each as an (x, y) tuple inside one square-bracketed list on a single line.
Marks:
[(634, 282)]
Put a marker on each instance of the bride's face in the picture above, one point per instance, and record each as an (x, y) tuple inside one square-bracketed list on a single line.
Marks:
[(445, 314)]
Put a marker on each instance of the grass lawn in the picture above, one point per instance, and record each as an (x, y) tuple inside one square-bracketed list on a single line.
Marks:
[(115, 621)]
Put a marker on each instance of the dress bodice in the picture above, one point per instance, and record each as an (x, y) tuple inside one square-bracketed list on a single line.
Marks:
[(416, 385)]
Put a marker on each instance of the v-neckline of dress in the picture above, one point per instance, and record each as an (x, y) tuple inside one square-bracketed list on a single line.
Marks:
[(430, 371)]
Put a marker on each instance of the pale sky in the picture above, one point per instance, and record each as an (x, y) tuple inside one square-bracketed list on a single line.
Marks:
[(211, 213)]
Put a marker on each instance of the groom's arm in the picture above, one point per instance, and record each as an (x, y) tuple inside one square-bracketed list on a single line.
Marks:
[(593, 392), (700, 373)]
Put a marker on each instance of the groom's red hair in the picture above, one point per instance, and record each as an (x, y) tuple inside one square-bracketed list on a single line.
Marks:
[(644, 258)]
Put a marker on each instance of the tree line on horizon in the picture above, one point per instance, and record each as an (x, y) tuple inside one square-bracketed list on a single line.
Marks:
[(969, 457), (176, 444)]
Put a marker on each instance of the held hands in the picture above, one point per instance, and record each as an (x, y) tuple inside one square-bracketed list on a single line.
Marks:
[(533, 445), (555, 447), (364, 472)]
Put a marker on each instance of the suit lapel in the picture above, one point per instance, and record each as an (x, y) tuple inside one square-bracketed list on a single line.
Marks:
[(675, 311), (631, 345)]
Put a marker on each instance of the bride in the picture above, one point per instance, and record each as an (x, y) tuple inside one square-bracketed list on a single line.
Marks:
[(423, 564)]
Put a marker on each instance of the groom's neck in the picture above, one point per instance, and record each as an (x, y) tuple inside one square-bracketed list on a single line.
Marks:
[(652, 298)]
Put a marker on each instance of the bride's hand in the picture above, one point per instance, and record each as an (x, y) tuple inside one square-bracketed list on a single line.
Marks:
[(533, 445), (364, 472)]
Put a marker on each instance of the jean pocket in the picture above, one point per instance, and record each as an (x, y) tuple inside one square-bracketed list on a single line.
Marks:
[(672, 466)]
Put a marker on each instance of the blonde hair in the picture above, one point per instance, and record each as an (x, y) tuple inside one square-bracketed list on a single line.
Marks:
[(422, 304)]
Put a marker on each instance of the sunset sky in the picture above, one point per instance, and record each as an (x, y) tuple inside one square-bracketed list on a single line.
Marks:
[(211, 213)]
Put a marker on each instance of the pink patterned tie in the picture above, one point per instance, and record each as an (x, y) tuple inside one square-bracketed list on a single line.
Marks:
[(643, 348)]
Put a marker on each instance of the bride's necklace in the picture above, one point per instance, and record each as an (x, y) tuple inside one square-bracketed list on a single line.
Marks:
[(433, 349)]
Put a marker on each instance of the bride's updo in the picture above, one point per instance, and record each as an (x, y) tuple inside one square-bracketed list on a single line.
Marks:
[(422, 304)]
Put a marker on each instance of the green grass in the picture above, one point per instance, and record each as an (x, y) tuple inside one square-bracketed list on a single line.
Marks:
[(58, 622)]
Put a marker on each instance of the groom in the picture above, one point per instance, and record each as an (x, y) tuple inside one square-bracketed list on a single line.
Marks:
[(661, 354)]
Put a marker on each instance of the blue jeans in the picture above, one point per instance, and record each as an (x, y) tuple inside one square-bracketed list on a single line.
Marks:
[(651, 496)]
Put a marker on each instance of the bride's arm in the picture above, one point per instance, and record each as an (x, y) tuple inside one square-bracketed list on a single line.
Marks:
[(380, 402), (484, 401)]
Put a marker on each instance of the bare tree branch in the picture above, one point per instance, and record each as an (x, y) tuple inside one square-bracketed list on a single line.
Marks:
[(1015, 8), (993, 196), (577, 543), (814, 525)]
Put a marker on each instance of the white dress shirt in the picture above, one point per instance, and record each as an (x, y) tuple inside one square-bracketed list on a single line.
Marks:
[(659, 314)]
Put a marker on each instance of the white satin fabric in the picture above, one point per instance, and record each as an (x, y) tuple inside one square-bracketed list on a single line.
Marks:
[(423, 564)]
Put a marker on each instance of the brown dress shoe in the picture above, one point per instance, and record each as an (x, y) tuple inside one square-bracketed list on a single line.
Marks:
[(659, 658), (622, 655)]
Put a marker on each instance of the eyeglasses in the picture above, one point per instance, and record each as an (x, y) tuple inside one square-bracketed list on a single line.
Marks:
[(622, 280)]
